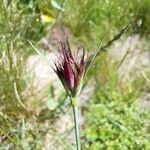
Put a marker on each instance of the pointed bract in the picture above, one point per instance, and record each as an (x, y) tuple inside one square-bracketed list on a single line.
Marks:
[(70, 70)]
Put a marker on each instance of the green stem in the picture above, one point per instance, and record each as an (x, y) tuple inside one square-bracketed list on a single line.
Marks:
[(76, 123)]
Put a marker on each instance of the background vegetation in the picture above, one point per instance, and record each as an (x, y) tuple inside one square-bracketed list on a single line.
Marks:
[(114, 118)]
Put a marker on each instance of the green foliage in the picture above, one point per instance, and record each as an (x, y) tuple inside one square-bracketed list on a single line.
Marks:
[(114, 119), (93, 19), (113, 116), (16, 27), (116, 125), (143, 14)]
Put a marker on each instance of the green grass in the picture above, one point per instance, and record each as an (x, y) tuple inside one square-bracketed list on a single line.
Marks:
[(113, 116)]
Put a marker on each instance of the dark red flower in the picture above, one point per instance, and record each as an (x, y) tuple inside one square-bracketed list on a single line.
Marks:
[(69, 69)]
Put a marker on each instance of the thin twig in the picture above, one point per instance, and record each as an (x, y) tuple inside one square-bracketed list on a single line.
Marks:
[(40, 53), (123, 59), (95, 54), (101, 49), (18, 97)]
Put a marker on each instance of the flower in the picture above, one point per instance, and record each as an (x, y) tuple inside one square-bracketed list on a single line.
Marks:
[(70, 69)]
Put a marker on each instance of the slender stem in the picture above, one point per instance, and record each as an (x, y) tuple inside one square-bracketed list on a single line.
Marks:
[(76, 123)]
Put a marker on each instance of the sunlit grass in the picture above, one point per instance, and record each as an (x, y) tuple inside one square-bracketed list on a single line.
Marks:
[(113, 117)]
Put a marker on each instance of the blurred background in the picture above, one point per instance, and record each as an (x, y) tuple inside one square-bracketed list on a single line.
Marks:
[(35, 113)]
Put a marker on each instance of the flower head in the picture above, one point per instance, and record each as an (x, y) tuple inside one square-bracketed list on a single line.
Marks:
[(70, 69)]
